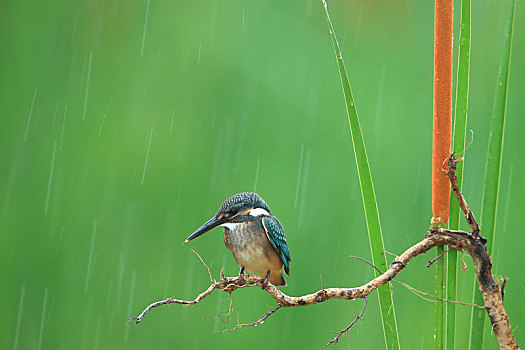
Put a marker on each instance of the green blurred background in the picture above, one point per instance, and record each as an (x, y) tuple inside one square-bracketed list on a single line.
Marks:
[(125, 124)]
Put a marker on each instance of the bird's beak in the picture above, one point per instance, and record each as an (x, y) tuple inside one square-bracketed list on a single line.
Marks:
[(213, 222)]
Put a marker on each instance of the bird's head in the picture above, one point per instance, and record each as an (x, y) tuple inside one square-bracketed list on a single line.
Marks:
[(235, 210)]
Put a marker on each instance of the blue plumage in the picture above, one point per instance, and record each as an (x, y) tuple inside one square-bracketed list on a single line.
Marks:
[(255, 237), (275, 233)]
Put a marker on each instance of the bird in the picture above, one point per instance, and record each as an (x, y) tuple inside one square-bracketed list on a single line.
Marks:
[(255, 237)]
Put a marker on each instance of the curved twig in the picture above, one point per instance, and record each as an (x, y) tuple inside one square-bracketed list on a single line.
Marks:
[(438, 236), (259, 321), (456, 239), (473, 244), (347, 328), (452, 161)]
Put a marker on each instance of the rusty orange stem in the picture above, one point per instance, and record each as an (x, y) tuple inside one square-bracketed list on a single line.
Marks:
[(442, 113)]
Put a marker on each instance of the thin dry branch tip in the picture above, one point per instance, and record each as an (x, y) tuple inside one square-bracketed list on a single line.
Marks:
[(473, 244), (207, 268), (335, 339), (255, 323), (438, 257)]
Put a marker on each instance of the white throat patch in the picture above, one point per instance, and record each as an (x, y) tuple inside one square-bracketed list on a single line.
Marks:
[(259, 212), (230, 225)]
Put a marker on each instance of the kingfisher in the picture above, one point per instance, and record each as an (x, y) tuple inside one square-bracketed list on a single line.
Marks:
[(255, 237)]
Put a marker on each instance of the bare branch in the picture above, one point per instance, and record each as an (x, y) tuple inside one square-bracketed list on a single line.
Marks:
[(451, 173), (503, 289), (258, 322), (438, 257), (473, 244), (173, 301), (365, 261), (488, 286), (219, 315), (417, 291), (347, 328), (207, 268), (438, 236), (387, 252), (456, 239)]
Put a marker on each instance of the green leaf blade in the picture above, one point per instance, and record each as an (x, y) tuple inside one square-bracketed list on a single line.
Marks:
[(369, 200), (458, 146)]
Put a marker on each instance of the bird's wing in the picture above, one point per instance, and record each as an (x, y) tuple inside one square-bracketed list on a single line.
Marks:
[(275, 233)]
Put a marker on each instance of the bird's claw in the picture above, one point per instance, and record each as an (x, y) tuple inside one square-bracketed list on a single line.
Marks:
[(264, 284), (240, 280)]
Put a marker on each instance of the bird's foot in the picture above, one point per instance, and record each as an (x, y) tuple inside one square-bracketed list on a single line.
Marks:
[(240, 278), (264, 283)]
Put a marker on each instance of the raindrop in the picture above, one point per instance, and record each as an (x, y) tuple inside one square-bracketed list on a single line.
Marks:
[(303, 191), (74, 27), (218, 313), (90, 261), (199, 56), (42, 321), (133, 278), (49, 183), (87, 84), (144, 33), (299, 176), (19, 319), (101, 124), (257, 174), (63, 126), (172, 119), (109, 290), (30, 114), (147, 156)]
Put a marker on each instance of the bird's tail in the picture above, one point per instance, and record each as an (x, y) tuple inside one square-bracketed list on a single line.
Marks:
[(277, 279)]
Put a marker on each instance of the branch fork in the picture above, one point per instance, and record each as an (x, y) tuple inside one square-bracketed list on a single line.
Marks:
[(472, 243)]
